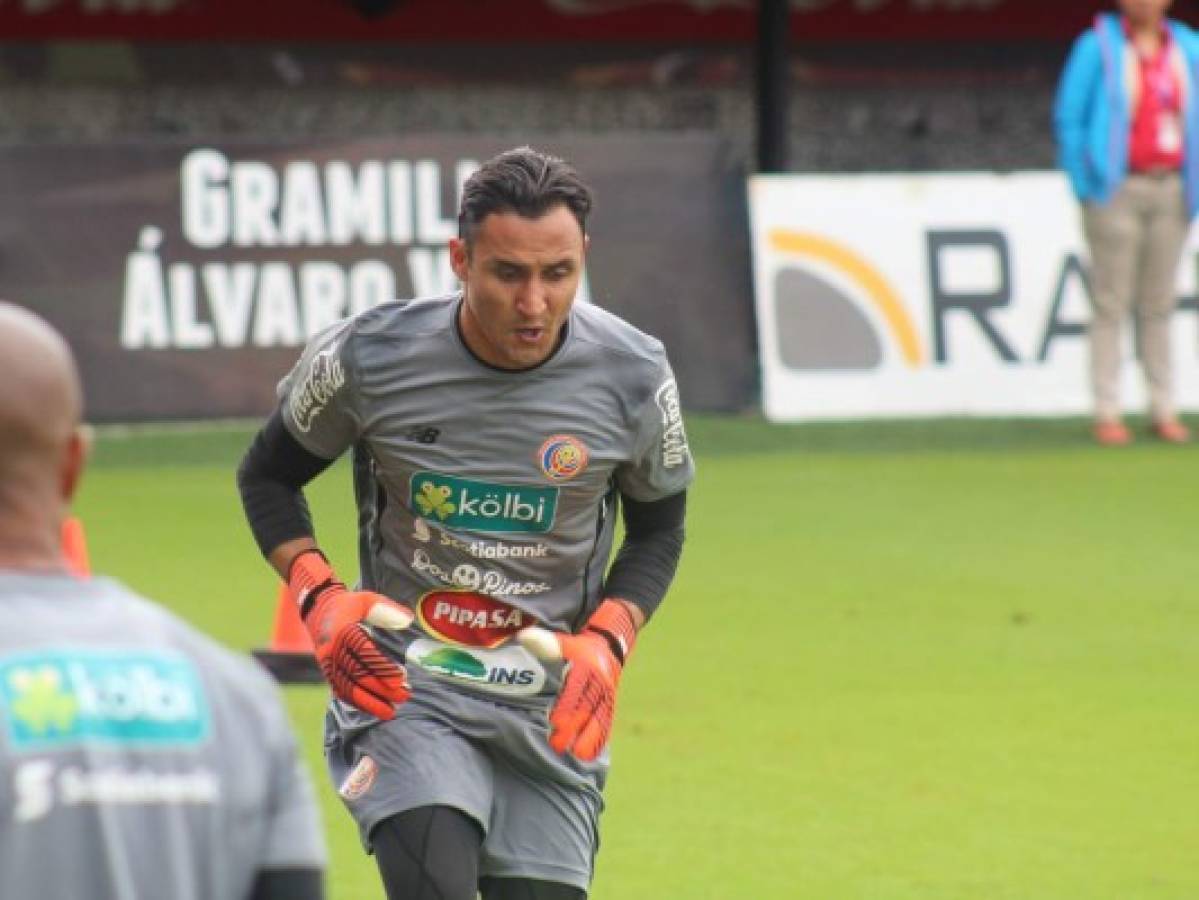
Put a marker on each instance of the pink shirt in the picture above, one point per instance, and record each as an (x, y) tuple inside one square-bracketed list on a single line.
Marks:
[(1155, 141)]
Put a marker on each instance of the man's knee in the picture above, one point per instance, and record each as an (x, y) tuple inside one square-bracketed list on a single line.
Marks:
[(429, 853)]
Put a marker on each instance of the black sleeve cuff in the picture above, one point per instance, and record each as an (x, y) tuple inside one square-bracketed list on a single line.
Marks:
[(269, 480), (647, 560)]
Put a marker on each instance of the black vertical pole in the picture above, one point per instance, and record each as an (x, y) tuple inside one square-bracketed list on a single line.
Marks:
[(770, 101)]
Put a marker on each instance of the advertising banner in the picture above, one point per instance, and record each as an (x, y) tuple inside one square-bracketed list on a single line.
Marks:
[(187, 277), (927, 295), (524, 21)]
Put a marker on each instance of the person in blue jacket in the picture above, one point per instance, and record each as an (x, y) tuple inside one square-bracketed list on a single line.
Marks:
[(1127, 125)]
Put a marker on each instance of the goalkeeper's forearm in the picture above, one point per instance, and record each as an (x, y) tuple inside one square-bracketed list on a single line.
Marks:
[(272, 473), (647, 560)]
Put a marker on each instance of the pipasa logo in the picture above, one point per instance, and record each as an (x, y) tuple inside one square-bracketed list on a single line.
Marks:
[(482, 505), (821, 326), (470, 619), (57, 697)]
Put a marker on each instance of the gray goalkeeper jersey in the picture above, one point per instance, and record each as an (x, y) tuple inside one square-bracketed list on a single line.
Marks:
[(487, 497), (138, 759)]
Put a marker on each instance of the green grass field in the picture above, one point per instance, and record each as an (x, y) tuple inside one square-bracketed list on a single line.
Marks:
[(902, 661)]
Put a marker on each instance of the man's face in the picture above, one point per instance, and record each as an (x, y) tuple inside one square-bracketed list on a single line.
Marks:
[(519, 278), (1144, 11)]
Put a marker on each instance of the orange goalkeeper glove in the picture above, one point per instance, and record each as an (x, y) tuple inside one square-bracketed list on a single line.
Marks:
[(356, 669), (581, 720)]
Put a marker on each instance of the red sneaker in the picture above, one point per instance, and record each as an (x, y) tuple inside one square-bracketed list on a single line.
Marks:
[(1171, 431), (1112, 434)]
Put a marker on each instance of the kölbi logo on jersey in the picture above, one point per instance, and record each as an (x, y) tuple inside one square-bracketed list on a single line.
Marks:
[(62, 696), (482, 505)]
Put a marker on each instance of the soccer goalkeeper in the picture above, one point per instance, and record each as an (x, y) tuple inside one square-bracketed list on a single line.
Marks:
[(495, 434)]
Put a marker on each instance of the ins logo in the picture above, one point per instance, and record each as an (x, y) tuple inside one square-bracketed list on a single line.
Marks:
[(562, 457), (821, 328)]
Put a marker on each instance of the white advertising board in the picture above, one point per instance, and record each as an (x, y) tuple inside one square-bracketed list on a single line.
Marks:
[(927, 295)]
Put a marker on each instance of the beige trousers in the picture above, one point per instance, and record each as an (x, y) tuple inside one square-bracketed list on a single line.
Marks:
[(1135, 242)]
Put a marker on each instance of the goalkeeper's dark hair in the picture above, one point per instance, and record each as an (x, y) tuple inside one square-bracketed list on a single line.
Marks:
[(524, 181)]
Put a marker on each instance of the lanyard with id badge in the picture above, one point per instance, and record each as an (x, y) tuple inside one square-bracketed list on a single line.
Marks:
[(1158, 79)]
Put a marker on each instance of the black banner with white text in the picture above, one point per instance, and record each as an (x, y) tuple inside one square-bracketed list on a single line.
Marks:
[(187, 277)]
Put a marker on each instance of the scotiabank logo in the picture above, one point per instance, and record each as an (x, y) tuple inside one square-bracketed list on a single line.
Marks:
[(470, 619), (822, 325)]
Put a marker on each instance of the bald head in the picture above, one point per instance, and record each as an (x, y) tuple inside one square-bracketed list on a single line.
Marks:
[(41, 444), (40, 398)]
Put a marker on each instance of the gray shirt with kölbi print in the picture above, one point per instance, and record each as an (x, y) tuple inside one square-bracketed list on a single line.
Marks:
[(138, 759), (487, 497)]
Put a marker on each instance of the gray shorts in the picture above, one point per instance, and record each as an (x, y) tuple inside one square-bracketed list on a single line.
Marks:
[(446, 746)]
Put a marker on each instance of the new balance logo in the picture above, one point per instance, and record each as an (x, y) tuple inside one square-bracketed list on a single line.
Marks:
[(422, 434)]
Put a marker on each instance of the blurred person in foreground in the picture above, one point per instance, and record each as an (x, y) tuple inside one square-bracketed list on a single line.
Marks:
[(495, 433), (138, 760), (1127, 123)]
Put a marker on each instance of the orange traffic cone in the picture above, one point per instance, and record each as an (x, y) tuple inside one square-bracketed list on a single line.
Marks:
[(290, 658), (74, 547)]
